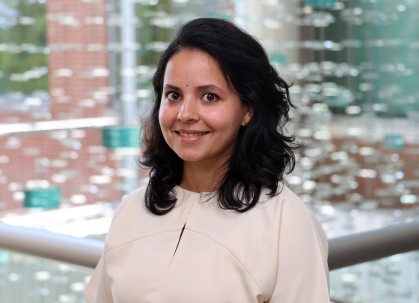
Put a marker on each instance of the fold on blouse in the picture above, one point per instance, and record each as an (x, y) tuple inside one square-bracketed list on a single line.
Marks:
[(275, 252)]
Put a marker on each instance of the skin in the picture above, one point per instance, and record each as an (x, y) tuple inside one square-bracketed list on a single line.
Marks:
[(200, 117)]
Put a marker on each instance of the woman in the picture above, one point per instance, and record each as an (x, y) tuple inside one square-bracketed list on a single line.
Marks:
[(215, 222)]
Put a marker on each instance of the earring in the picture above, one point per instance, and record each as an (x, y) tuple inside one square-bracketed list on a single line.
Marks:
[(245, 122)]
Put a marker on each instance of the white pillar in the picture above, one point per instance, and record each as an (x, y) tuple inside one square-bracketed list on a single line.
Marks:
[(129, 86)]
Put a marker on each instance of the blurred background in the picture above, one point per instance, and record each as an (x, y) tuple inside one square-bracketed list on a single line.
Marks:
[(75, 83)]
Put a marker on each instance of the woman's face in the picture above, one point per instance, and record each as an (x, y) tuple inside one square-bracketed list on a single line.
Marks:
[(200, 116)]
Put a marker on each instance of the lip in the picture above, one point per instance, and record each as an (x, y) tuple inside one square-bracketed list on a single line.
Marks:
[(187, 135)]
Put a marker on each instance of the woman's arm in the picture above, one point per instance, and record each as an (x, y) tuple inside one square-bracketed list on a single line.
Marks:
[(303, 274), (98, 290)]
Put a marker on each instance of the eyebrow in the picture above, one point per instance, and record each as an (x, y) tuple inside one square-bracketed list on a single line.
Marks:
[(198, 88)]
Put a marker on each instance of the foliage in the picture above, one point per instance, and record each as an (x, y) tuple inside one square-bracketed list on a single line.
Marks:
[(15, 60)]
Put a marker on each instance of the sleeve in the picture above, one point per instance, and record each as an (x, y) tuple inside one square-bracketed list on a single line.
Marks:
[(98, 290), (303, 274)]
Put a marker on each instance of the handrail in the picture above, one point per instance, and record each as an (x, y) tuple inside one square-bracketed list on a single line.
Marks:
[(45, 244), (44, 126), (343, 251), (373, 245)]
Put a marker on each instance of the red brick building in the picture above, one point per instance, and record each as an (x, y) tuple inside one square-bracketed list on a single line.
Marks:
[(74, 159)]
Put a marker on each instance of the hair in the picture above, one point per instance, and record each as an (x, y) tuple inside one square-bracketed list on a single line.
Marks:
[(263, 152)]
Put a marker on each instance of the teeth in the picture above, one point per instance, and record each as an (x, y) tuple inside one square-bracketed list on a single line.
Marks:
[(191, 135)]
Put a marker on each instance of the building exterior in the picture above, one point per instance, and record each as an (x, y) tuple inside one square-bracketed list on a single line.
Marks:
[(74, 160)]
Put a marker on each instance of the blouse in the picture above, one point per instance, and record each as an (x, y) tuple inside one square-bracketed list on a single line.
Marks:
[(275, 252)]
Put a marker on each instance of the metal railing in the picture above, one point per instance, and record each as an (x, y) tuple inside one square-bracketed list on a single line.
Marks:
[(373, 245), (45, 244), (343, 251)]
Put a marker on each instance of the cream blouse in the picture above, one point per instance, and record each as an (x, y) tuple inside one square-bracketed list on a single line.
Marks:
[(275, 252)]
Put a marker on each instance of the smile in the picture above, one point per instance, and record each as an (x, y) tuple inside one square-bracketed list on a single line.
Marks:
[(192, 135)]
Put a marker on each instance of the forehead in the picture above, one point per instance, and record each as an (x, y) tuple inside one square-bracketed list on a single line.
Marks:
[(193, 66)]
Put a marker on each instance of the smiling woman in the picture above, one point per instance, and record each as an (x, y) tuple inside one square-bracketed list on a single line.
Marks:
[(215, 222), (200, 117)]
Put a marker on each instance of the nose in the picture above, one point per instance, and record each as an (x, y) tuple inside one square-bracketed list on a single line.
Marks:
[(188, 111)]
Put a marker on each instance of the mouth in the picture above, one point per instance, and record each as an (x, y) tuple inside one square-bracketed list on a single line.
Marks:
[(191, 135)]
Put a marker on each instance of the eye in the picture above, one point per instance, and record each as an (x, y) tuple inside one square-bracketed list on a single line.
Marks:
[(210, 97), (172, 96)]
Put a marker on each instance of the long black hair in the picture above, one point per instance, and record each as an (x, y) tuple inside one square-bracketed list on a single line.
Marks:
[(263, 152)]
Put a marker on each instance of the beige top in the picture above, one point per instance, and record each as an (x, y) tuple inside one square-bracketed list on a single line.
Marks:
[(275, 252)]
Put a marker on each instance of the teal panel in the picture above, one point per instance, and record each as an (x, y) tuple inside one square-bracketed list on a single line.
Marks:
[(4, 257), (45, 198), (219, 15), (336, 101), (394, 59), (278, 58), (120, 136), (321, 3), (393, 141), (396, 109)]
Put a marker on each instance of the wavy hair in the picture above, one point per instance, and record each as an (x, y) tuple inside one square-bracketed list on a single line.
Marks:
[(263, 152)]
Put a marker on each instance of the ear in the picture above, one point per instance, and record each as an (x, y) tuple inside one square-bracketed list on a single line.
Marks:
[(247, 115)]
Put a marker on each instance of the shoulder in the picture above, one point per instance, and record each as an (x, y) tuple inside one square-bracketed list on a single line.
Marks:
[(298, 221), (292, 204), (128, 200), (283, 200), (125, 217), (293, 215)]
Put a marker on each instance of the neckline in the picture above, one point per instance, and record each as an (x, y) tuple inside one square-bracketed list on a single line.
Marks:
[(177, 187)]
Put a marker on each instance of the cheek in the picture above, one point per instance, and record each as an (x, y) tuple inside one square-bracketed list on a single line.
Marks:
[(228, 120), (164, 118), (161, 117), (164, 125)]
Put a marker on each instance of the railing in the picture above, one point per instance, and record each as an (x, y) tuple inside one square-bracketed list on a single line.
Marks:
[(343, 251), (373, 245), (79, 251)]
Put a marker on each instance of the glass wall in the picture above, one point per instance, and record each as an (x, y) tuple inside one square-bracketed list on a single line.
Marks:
[(392, 279), (26, 279), (75, 82)]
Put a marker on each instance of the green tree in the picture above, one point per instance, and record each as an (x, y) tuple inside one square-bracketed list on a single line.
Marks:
[(25, 43)]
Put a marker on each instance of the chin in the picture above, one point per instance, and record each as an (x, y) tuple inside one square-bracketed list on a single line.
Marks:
[(188, 157)]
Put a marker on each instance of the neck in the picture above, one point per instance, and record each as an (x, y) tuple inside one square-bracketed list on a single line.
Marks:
[(202, 176)]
